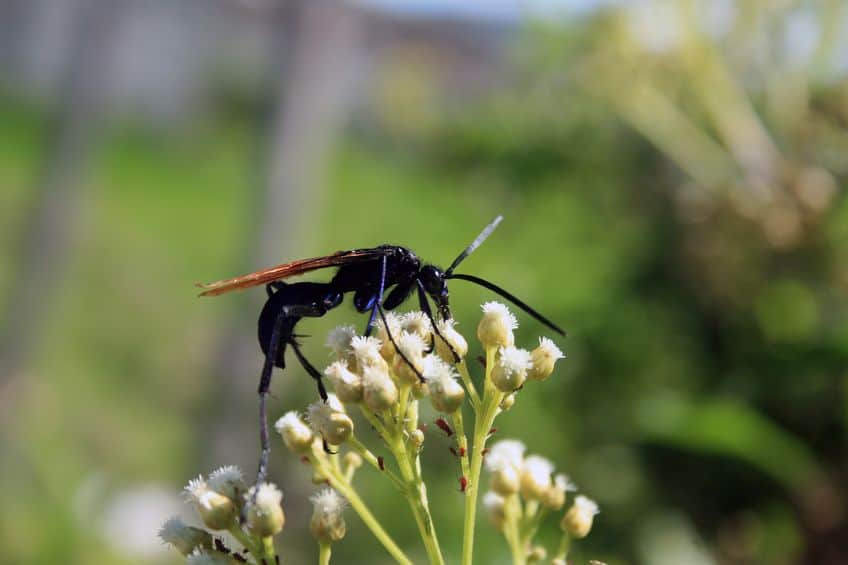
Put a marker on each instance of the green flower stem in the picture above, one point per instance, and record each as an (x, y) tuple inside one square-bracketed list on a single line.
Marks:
[(416, 494), (346, 490), (533, 517), (324, 552), (366, 454), (512, 519), (484, 418), (269, 554), (245, 540), (461, 441), (564, 546), (469, 386)]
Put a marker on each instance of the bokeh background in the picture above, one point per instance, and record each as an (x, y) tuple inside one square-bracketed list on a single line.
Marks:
[(672, 177)]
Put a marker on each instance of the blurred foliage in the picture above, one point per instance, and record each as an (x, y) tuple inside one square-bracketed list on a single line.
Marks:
[(678, 207)]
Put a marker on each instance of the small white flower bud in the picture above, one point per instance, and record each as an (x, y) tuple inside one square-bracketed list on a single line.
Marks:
[(329, 420), (412, 347), (216, 510), (416, 438), (505, 480), (338, 340), (378, 389), (265, 515), (507, 402), (296, 434), (494, 505), (578, 520), (452, 338), (367, 352), (228, 481), (558, 561), (184, 538), (535, 477), (446, 394), (496, 326), (505, 452), (510, 370), (387, 349), (327, 524), (352, 460), (208, 557), (417, 323), (347, 384), (537, 553), (543, 358), (553, 497)]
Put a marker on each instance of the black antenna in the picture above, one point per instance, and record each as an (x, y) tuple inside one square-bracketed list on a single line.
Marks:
[(511, 297), (487, 231)]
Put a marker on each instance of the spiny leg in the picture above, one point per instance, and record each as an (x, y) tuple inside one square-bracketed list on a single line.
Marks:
[(264, 385), (313, 372), (425, 307)]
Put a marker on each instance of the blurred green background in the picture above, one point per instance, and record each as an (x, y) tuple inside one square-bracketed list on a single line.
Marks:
[(672, 177)]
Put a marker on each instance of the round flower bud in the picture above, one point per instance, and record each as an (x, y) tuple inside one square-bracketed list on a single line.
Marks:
[(347, 384), (494, 505), (216, 510), (505, 480), (452, 339), (265, 514), (535, 477), (327, 524), (378, 389), (505, 452), (537, 553), (338, 340), (184, 538), (366, 350), (387, 349), (496, 326), (510, 370), (329, 420), (446, 394), (352, 460), (416, 438), (412, 347), (553, 498), (296, 434), (543, 358), (507, 402), (228, 481), (578, 520), (416, 323)]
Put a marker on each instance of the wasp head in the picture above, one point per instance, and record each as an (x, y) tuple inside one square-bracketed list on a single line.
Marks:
[(436, 286)]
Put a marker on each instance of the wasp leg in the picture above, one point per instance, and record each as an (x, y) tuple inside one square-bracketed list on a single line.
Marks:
[(313, 372), (425, 307)]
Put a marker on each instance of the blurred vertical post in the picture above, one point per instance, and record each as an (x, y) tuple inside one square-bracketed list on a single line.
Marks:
[(54, 216), (315, 50)]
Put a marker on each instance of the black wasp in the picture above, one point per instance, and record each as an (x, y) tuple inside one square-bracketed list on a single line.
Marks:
[(381, 278)]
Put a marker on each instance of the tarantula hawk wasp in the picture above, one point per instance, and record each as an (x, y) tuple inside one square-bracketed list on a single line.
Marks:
[(381, 278)]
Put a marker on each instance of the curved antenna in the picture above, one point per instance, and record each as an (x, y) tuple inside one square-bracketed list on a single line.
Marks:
[(487, 231), (511, 297)]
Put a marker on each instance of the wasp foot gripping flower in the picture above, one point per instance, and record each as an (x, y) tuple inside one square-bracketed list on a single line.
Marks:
[(296, 434), (346, 383), (543, 358), (452, 340), (535, 477), (329, 420), (496, 326), (446, 394), (510, 372), (265, 516), (578, 520), (327, 524), (199, 557), (216, 510), (184, 538), (412, 347)]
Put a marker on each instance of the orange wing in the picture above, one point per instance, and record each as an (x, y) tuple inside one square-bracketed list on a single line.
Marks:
[(287, 270)]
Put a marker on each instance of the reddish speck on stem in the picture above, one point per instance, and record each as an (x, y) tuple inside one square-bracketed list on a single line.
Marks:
[(381, 463), (443, 425), (463, 484)]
